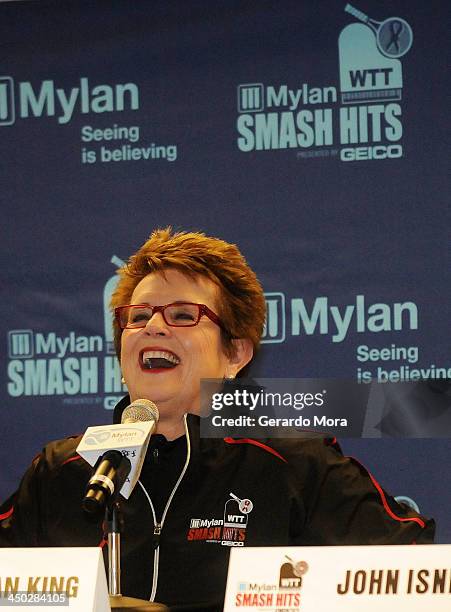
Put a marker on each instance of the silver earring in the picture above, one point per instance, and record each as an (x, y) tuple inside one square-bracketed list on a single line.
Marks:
[(123, 380)]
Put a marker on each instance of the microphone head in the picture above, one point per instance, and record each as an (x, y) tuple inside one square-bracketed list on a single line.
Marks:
[(140, 410)]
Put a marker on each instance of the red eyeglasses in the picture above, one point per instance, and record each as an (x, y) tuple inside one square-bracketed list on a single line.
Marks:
[(177, 314)]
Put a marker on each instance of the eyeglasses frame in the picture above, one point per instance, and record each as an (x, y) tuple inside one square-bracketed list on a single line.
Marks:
[(202, 310)]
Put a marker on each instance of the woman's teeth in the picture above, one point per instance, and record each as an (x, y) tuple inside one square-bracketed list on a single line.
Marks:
[(159, 359)]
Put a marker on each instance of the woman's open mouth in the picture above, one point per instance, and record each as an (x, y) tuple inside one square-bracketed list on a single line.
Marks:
[(158, 360)]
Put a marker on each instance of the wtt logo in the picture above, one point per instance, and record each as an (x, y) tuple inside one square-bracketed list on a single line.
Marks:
[(47, 99), (291, 573), (369, 66)]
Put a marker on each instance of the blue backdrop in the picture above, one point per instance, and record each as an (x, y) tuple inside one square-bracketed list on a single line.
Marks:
[(311, 133)]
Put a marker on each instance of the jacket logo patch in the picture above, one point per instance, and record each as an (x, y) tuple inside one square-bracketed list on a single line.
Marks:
[(230, 530)]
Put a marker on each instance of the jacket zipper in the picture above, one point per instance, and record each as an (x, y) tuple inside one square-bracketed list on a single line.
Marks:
[(157, 527)]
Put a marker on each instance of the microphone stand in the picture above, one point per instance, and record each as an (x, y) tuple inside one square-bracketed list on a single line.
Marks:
[(118, 603)]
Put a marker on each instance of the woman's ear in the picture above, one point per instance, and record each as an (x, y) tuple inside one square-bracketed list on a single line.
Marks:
[(243, 351)]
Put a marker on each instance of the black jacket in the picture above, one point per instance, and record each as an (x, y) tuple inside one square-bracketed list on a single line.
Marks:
[(229, 492)]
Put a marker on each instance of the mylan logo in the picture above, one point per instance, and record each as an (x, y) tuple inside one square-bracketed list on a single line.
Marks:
[(20, 344), (250, 98), (7, 112), (274, 329), (46, 99)]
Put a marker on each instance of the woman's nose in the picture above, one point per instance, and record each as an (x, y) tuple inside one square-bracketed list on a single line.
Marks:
[(157, 325)]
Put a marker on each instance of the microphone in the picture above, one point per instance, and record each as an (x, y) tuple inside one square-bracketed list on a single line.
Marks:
[(117, 470), (110, 472), (141, 410)]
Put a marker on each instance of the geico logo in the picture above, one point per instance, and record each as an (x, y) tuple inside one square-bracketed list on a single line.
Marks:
[(377, 152), (230, 543)]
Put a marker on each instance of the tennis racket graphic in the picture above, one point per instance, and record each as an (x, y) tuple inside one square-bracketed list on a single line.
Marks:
[(299, 567), (245, 505), (394, 35)]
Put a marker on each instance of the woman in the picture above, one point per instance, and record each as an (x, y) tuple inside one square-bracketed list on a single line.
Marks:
[(189, 307)]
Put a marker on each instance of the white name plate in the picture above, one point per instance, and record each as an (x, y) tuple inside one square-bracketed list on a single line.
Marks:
[(53, 579), (353, 578)]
